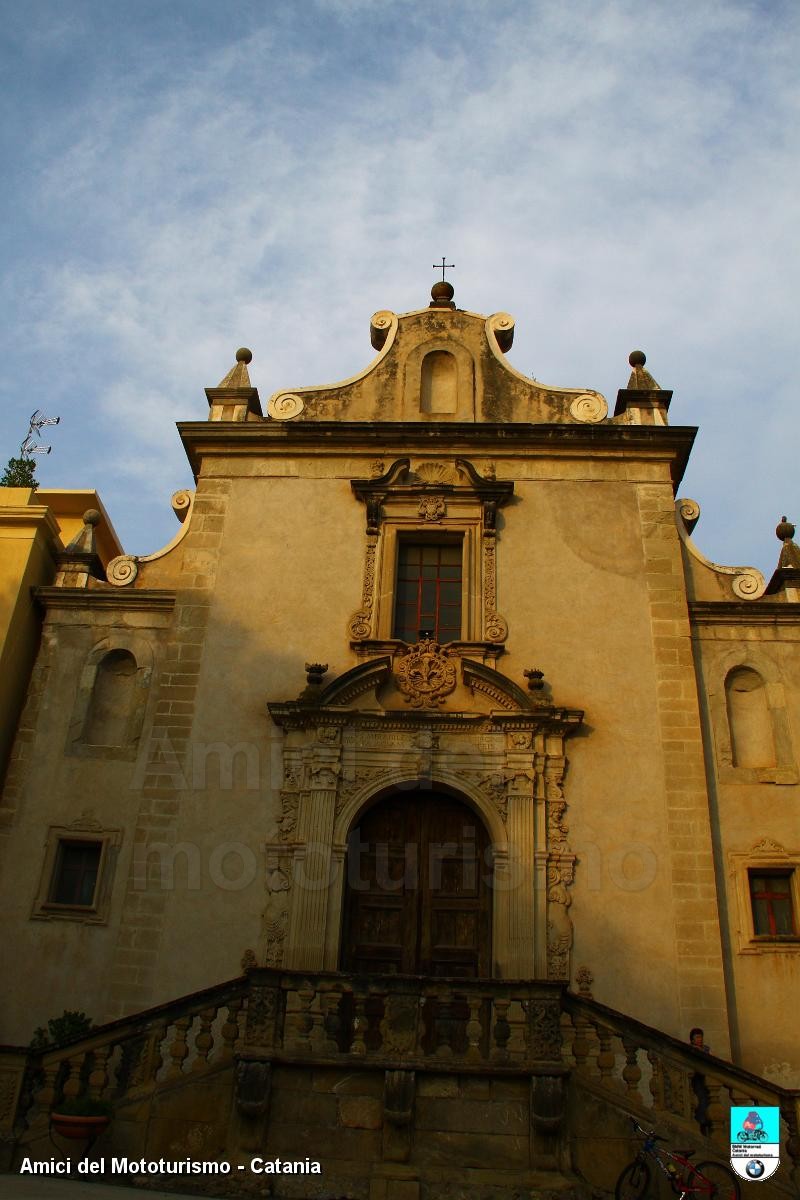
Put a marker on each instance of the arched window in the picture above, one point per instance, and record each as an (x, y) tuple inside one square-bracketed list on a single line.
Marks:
[(749, 719), (439, 383), (108, 721)]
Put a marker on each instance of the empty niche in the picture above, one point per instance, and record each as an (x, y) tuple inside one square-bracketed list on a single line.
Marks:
[(111, 707), (749, 719), (439, 383)]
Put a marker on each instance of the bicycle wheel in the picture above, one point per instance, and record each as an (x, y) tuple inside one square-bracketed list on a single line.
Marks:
[(714, 1181), (634, 1181)]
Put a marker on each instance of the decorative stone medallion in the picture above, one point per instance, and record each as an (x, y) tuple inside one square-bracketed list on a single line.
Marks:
[(425, 674), (432, 508)]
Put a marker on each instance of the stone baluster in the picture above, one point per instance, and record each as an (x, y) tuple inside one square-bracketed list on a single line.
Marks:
[(178, 1049), (474, 1029), (517, 1024), (581, 1044), (46, 1094), (230, 1029), (444, 1024), (204, 1039), (302, 1021), (656, 1080), (98, 1076), (631, 1072), (317, 1036), (606, 1058), (359, 1045), (331, 1021), (501, 1030), (72, 1080), (716, 1110)]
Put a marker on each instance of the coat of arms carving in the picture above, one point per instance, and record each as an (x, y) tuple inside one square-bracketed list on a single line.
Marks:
[(425, 674)]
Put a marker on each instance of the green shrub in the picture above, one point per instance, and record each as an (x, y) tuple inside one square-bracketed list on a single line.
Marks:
[(60, 1030)]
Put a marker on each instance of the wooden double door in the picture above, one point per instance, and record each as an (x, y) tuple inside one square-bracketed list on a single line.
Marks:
[(418, 896)]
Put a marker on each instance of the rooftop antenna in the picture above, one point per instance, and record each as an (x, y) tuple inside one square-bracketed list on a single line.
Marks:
[(37, 423)]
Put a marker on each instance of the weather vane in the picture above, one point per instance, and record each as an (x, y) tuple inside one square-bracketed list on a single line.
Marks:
[(443, 266), (36, 424)]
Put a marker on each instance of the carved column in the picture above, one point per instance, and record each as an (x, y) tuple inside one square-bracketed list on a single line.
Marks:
[(522, 841), (312, 863)]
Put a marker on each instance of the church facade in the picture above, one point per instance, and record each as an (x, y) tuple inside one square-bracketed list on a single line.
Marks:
[(432, 684)]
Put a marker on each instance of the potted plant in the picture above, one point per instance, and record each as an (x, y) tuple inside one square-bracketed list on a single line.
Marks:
[(81, 1117)]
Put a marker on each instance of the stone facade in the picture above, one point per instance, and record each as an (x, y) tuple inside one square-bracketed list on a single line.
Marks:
[(217, 717)]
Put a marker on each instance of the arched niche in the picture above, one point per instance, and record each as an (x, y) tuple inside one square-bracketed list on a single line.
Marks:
[(439, 382), (749, 719), (112, 700), (112, 696), (438, 392)]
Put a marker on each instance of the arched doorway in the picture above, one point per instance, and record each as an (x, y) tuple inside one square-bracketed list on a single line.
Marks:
[(418, 900)]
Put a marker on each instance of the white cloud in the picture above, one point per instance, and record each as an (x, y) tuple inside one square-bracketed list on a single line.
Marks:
[(613, 174)]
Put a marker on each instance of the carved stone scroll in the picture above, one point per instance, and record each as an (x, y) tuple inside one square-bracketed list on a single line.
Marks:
[(495, 628), (360, 624)]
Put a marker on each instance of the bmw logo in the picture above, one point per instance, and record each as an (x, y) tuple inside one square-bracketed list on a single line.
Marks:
[(755, 1168)]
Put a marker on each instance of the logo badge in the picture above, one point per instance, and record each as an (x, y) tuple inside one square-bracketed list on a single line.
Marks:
[(755, 1142)]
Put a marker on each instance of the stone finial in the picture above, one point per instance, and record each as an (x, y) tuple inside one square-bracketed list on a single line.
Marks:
[(641, 380), (642, 402), (238, 376), (786, 577), (248, 960), (535, 679), (234, 398), (442, 294), (584, 979), (83, 542), (790, 552), (314, 673), (313, 689), (80, 560)]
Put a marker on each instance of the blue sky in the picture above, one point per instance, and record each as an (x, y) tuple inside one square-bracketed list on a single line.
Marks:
[(185, 178)]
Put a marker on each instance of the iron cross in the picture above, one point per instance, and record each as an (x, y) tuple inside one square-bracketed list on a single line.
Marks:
[(443, 266)]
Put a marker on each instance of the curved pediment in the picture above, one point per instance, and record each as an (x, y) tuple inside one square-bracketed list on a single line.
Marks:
[(425, 694), (440, 363)]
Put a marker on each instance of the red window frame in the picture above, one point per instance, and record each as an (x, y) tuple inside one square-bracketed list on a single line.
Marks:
[(428, 590), (772, 909)]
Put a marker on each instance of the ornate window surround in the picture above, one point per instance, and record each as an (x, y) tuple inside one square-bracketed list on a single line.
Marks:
[(441, 499), (84, 829), (765, 856)]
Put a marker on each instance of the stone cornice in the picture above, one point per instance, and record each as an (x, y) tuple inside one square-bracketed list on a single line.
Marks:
[(31, 515), (203, 439), (744, 612), (295, 715), (95, 598)]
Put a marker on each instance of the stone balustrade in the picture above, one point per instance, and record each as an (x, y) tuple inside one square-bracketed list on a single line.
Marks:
[(668, 1084), (402, 1028), (401, 1021)]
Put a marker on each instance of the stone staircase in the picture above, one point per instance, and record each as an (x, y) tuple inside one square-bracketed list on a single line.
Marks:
[(401, 1088)]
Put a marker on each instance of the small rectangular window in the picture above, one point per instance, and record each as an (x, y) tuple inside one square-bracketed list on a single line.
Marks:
[(428, 591), (75, 874), (771, 899)]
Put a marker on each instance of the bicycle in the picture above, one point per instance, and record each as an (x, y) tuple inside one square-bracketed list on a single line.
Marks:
[(709, 1180)]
